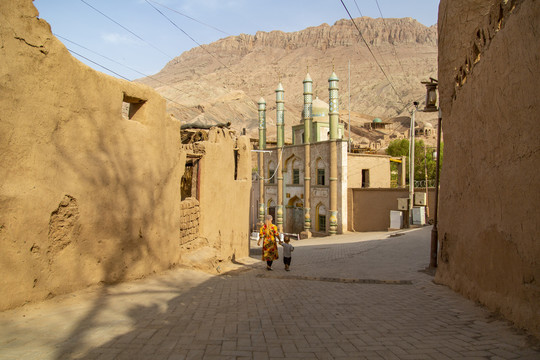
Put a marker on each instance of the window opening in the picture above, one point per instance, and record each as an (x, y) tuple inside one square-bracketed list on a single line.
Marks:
[(236, 157), (296, 176), (322, 223), (132, 108), (365, 178), (320, 176)]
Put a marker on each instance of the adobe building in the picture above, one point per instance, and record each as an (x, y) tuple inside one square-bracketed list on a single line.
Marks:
[(489, 192), (93, 194)]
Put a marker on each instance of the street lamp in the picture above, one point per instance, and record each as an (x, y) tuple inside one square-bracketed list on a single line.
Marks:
[(431, 95), (431, 106)]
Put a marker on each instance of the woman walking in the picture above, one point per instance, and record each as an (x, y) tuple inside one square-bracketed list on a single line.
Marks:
[(269, 236)]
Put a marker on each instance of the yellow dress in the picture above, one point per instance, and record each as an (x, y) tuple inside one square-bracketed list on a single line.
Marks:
[(268, 234)]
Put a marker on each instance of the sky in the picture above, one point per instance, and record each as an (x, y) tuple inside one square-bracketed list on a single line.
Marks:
[(140, 40)]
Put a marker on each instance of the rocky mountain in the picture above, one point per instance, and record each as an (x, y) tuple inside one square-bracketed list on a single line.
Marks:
[(222, 81)]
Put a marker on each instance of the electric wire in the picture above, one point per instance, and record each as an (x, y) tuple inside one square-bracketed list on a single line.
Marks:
[(191, 18), (128, 30), (275, 170), (117, 74), (126, 66), (95, 63), (189, 36), (376, 48), (373, 55), (386, 28)]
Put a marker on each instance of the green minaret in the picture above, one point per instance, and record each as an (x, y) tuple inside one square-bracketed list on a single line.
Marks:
[(307, 118), (334, 105), (308, 101), (280, 115), (262, 124), (334, 119)]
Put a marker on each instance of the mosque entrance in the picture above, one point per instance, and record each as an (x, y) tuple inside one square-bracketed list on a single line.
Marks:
[(295, 216)]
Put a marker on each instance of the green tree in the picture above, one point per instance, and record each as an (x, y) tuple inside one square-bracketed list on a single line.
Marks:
[(398, 147), (422, 158)]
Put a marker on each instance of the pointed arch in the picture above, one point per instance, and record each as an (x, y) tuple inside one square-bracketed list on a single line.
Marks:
[(295, 202), (320, 217), (293, 166)]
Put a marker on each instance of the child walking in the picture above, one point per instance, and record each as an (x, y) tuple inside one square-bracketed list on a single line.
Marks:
[(287, 249)]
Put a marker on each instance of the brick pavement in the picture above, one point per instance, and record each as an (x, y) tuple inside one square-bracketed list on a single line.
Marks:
[(354, 296)]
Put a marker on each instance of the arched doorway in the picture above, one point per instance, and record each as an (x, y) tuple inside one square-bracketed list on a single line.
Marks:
[(295, 216), (320, 218)]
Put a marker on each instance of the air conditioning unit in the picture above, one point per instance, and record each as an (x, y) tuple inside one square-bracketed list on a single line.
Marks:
[(419, 215), (396, 219), (403, 203), (420, 199)]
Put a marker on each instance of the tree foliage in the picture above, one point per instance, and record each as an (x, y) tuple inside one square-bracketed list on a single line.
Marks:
[(424, 157)]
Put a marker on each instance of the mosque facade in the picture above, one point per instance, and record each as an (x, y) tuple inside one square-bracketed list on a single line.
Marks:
[(304, 186)]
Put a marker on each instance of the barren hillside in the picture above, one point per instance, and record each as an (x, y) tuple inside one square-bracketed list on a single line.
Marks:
[(223, 81)]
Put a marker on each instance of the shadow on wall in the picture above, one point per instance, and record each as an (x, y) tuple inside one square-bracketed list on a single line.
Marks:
[(105, 230), (114, 203)]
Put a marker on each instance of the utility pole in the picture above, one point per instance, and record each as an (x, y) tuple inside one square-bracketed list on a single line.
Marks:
[(280, 123), (262, 147), (426, 179), (349, 140), (435, 230), (431, 106), (411, 164)]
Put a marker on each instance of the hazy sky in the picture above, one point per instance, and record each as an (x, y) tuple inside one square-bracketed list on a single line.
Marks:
[(157, 40)]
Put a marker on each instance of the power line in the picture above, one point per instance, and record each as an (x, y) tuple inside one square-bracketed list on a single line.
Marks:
[(117, 74), (191, 18), (372, 54), (125, 28), (95, 63), (393, 45), (376, 48), (189, 36), (119, 63)]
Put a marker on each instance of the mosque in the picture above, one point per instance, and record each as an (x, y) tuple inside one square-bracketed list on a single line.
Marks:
[(304, 186)]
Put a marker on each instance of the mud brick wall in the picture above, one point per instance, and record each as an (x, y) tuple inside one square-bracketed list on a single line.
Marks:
[(488, 223), (189, 220)]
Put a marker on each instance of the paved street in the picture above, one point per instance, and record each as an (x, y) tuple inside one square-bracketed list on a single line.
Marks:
[(353, 296)]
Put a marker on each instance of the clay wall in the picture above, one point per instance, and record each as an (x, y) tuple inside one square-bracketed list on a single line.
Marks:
[(377, 165), (369, 209), (225, 193), (488, 79), (87, 195), (90, 173)]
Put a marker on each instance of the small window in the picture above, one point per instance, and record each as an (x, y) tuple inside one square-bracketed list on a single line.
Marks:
[(296, 176), (320, 176), (236, 158), (322, 223), (271, 175), (132, 108), (365, 178)]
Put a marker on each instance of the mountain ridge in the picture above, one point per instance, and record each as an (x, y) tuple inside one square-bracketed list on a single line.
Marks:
[(222, 81)]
